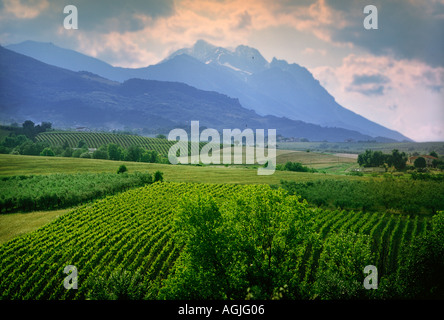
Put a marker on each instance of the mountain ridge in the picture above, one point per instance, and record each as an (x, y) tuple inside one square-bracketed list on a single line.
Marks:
[(34, 90), (270, 88)]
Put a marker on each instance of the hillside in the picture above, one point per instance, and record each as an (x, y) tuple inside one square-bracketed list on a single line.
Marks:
[(32, 90), (95, 140), (274, 88), (133, 232)]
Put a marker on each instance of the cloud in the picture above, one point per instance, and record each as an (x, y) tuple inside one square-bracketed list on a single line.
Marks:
[(368, 84), (393, 75), (23, 9), (407, 29), (244, 20), (398, 94)]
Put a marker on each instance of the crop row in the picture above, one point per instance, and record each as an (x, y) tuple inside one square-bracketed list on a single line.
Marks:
[(133, 231)]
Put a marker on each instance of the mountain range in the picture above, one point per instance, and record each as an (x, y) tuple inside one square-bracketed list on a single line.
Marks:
[(259, 93)]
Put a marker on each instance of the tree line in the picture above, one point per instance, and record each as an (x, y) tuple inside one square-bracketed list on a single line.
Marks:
[(396, 159), (22, 144)]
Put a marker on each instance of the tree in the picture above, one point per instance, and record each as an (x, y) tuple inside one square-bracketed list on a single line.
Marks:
[(122, 169), (100, 154), (433, 154), (161, 136), (150, 156), (420, 163), (65, 145), (82, 144), (67, 153), (47, 152), (158, 176), (114, 152), (397, 159), (251, 240), (371, 158), (133, 153)]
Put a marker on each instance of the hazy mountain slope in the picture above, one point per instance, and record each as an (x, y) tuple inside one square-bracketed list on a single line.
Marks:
[(269, 88), (30, 89)]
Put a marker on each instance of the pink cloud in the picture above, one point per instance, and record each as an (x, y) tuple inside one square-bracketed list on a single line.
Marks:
[(25, 9), (416, 89)]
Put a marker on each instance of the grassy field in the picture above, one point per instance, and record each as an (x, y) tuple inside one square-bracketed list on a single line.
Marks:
[(27, 165), (359, 147), (16, 224), (12, 225)]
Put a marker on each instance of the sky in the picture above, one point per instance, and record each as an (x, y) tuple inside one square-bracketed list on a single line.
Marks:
[(393, 75)]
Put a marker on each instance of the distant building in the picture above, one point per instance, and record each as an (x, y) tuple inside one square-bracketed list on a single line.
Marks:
[(428, 159)]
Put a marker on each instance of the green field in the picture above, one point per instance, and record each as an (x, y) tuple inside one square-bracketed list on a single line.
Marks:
[(360, 147), (194, 235), (29, 165), (132, 231), (95, 140), (16, 224)]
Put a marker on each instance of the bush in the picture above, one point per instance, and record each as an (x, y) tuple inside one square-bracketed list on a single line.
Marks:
[(294, 166), (122, 169), (158, 176), (85, 155), (47, 152), (100, 154), (420, 163)]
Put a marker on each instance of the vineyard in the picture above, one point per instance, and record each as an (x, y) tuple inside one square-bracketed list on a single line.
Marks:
[(95, 140), (56, 191), (139, 232)]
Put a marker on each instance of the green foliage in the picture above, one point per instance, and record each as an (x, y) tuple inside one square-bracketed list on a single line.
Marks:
[(120, 285), (47, 152), (420, 163), (100, 154), (133, 153), (185, 240), (122, 169), (397, 160), (30, 193), (150, 156), (294, 166), (409, 196), (114, 152), (158, 176), (251, 241), (76, 153), (421, 275), (82, 144), (341, 265), (427, 176), (372, 158)]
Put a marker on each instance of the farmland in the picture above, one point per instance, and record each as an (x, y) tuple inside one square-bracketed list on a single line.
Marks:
[(132, 232), (218, 232), (95, 140)]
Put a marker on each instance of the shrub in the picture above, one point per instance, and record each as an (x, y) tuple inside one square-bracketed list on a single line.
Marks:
[(122, 169), (47, 152), (158, 176)]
